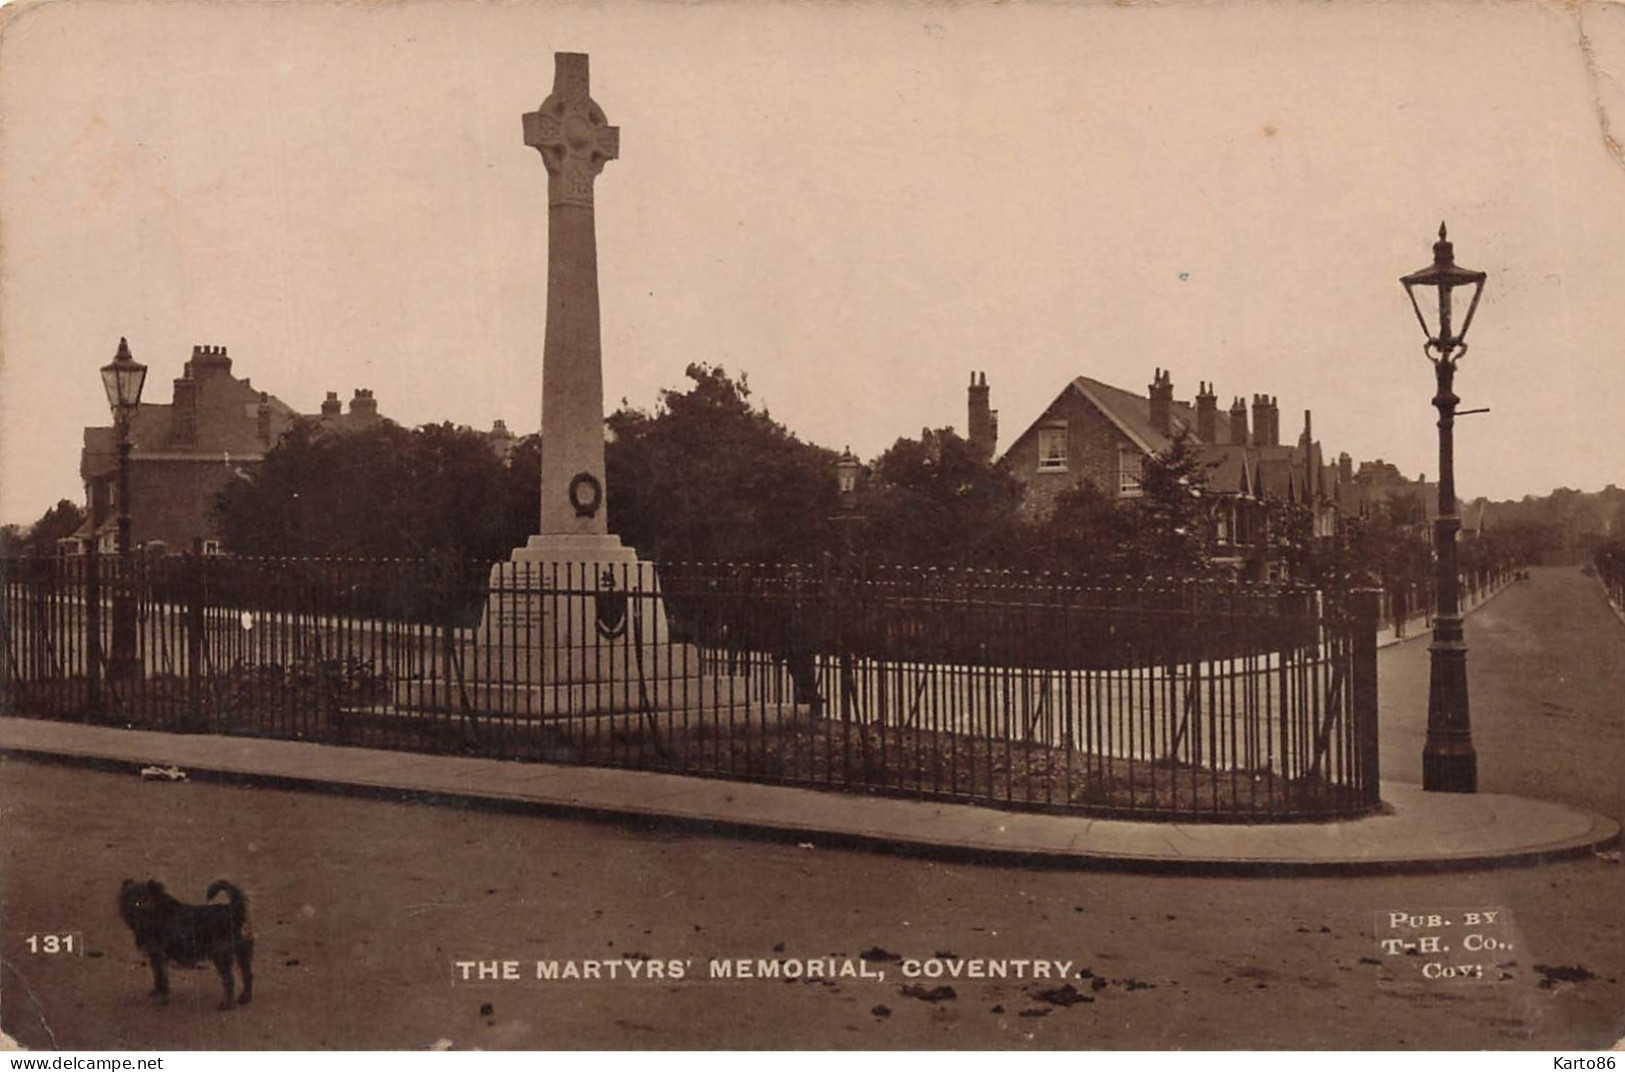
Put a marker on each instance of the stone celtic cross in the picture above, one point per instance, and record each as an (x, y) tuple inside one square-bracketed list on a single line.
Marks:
[(571, 133)]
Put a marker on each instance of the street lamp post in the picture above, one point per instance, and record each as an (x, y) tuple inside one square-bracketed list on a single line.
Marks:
[(847, 471), (123, 379), (1449, 764), (847, 468)]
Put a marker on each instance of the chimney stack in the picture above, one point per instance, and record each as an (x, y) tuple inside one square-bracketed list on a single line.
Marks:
[(1162, 401), (1238, 422), (363, 404), (1207, 414), (1345, 468), (1266, 422), (331, 406), (207, 361), (183, 412), (1311, 476), (982, 429)]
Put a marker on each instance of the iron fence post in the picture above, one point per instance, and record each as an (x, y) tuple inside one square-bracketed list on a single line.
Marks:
[(93, 628), (194, 589), (1363, 622)]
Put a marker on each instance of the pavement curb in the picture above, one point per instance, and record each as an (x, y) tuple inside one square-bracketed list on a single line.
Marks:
[(1598, 833), (1425, 630)]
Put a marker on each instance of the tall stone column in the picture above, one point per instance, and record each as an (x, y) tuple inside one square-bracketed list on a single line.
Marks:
[(575, 141)]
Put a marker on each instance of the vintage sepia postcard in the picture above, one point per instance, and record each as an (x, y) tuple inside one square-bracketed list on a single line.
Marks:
[(878, 526)]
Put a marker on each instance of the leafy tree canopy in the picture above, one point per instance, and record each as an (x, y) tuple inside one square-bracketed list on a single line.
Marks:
[(1086, 533), (60, 521), (710, 476), (937, 501), (382, 492), (1173, 529)]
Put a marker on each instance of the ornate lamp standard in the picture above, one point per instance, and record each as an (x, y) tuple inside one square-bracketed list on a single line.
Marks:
[(1449, 764), (123, 379), (847, 468)]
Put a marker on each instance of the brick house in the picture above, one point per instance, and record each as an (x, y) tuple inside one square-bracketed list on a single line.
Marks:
[(1101, 433), (215, 428)]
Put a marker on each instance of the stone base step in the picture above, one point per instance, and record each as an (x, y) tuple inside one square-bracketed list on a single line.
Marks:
[(516, 663)]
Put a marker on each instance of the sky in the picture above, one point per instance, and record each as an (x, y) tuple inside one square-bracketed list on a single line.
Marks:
[(856, 204)]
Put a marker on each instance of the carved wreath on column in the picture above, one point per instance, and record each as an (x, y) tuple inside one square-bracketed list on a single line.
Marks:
[(586, 494)]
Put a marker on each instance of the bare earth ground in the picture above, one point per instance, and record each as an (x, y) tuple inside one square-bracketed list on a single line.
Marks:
[(360, 907)]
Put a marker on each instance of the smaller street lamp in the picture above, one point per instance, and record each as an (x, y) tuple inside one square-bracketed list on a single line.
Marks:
[(847, 468), (1449, 764), (123, 379)]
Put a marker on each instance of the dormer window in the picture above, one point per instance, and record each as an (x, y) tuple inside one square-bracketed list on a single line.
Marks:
[(1052, 448)]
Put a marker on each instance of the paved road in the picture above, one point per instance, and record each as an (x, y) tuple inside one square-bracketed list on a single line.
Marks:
[(1546, 679), (361, 908)]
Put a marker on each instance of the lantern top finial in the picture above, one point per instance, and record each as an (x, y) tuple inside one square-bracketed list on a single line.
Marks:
[(1444, 250), (123, 350)]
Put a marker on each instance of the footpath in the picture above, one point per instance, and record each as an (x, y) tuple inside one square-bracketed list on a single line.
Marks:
[(1417, 831)]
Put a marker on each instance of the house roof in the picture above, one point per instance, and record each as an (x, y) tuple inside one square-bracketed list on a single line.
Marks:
[(1132, 414), (219, 430), (1279, 472), (1285, 471), (149, 430), (1230, 468)]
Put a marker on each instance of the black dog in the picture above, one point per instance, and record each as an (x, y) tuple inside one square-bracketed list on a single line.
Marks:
[(167, 930)]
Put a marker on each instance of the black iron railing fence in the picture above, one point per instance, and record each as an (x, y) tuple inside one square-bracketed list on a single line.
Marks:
[(1169, 701)]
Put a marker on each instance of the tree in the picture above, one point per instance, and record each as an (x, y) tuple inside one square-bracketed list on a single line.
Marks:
[(709, 476), (1388, 547), (40, 538), (1172, 523), (380, 492), (1309, 559), (1086, 533), (937, 501)]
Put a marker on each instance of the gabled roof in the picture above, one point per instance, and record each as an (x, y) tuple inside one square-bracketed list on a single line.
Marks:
[(1132, 414), (1280, 472), (1230, 468), (1283, 471)]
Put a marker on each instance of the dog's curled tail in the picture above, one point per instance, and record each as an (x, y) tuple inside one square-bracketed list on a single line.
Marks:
[(238, 899)]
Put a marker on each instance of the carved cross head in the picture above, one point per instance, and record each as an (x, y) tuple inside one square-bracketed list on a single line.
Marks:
[(571, 133)]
